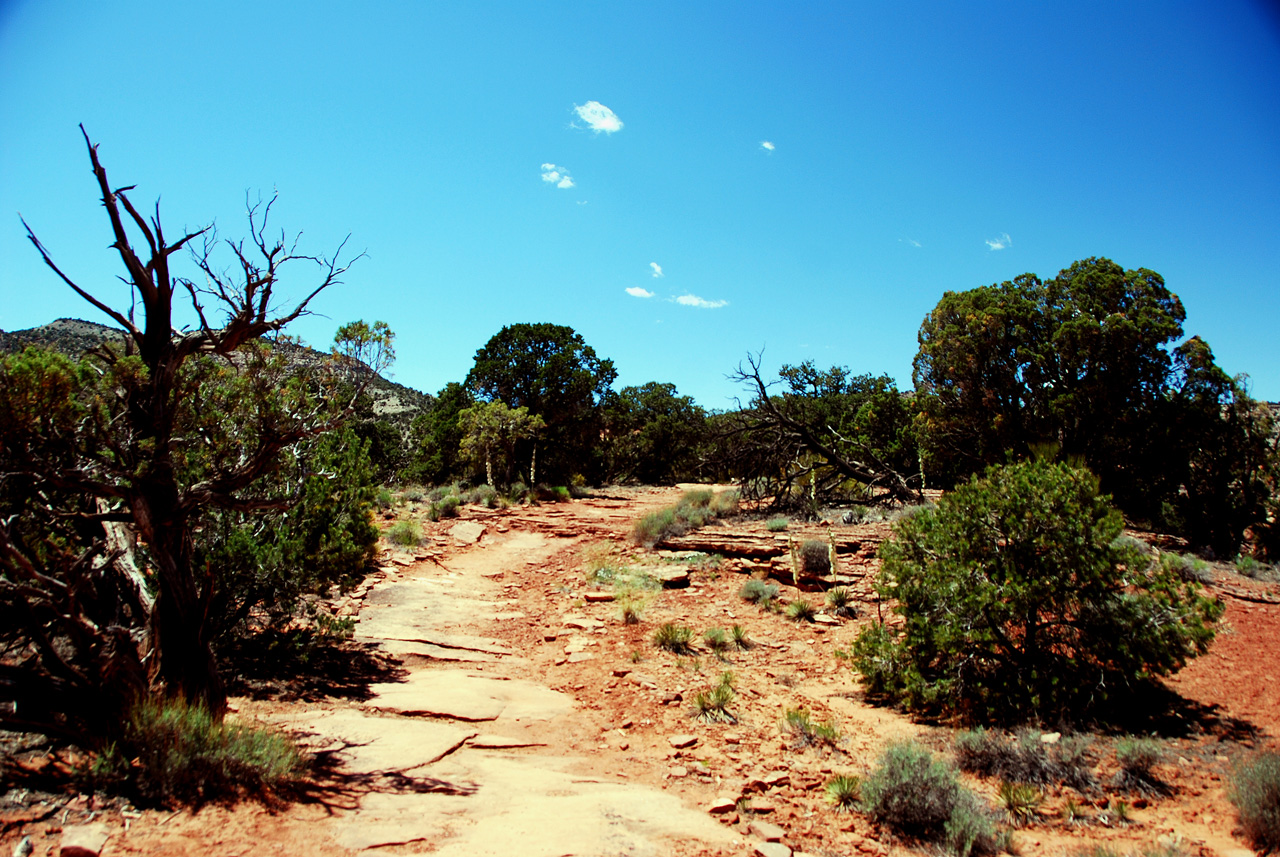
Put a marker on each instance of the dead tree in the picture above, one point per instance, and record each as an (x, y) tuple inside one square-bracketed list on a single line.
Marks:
[(783, 448), (131, 464)]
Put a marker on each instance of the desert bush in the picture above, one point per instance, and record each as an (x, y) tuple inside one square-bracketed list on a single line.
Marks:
[(1254, 789), (674, 638), (840, 600), (482, 495), (1021, 802), (405, 534), (815, 558), (384, 499), (801, 610), (804, 731), (172, 753), (759, 592), (777, 525), (843, 792), (695, 509), (1187, 568), (414, 495), (991, 753), (712, 705), (716, 640), (740, 638), (1071, 755), (1137, 758), (445, 507), (920, 796), (1018, 603)]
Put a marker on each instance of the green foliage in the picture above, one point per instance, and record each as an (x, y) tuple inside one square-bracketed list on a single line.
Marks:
[(1021, 801), (919, 796), (712, 705), (815, 558), (1254, 789), (801, 610), (695, 508), (490, 433), (171, 753), (759, 592), (716, 640), (1137, 758), (550, 371), (1018, 602), (655, 436), (840, 600), (777, 525), (843, 791), (1026, 759), (674, 638), (435, 439), (444, 507), (405, 534), (1082, 366), (740, 638), (804, 731)]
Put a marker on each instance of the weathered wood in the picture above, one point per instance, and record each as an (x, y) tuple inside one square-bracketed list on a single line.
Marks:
[(861, 540)]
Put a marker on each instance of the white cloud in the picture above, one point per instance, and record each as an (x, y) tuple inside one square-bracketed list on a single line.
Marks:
[(702, 303), (1000, 242), (559, 176), (913, 242), (637, 292), (598, 117), (657, 269), (767, 146)]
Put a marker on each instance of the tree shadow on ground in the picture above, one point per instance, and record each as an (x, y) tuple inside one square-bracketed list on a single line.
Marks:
[(300, 666), (1161, 711), (331, 786)]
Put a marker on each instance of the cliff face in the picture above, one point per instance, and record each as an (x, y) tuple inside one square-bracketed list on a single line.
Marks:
[(393, 402)]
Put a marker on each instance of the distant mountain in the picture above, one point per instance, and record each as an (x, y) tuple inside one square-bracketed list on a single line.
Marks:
[(393, 402)]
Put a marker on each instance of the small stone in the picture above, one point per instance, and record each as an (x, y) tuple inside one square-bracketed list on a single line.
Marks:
[(597, 597), (1050, 737), (732, 738), (772, 849), (550, 637), (766, 831), (722, 806), (762, 806), (579, 657), (621, 672), (83, 840), (680, 742), (467, 532), (679, 771), (773, 779)]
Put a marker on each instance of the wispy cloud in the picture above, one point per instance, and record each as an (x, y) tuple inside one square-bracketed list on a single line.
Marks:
[(637, 292), (598, 117), (1000, 242), (657, 269), (913, 242), (701, 303), (559, 176), (767, 146)]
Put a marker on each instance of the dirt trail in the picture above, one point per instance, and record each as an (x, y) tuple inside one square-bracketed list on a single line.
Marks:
[(528, 718)]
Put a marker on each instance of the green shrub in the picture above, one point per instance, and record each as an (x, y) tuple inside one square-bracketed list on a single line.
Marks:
[(801, 610), (1021, 802), (414, 495), (173, 753), (919, 796), (815, 558), (843, 792), (405, 534), (1187, 568), (1137, 758), (674, 638), (740, 638), (716, 640), (1026, 759), (777, 525), (695, 509), (807, 732), (712, 705), (1018, 603), (840, 600), (759, 592), (482, 495), (384, 498), (445, 507), (1254, 789)]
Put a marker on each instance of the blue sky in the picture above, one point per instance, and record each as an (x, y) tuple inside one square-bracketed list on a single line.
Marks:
[(913, 148)]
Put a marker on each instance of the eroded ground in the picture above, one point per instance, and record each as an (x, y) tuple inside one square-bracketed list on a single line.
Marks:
[(507, 708)]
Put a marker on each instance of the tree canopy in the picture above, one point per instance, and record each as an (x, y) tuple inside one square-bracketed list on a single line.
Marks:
[(549, 370), (1020, 600)]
